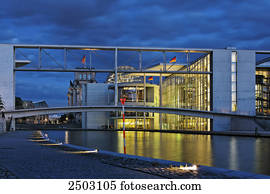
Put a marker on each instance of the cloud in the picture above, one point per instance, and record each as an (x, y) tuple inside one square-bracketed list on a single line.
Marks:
[(170, 23), (51, 87), (129, 23)]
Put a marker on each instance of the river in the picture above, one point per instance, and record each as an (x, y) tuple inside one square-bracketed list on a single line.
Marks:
[(237, 153)]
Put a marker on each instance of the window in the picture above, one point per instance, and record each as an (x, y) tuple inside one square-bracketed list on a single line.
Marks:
[(132, 94), (234, 80)]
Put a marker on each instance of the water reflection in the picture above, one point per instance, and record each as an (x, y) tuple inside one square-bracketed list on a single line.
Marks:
[(262, 156), (233, 154), (237, 153)]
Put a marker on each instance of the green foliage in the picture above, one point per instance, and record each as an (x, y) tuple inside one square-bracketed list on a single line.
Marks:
[(18, 103), (67, 118), (1, 103)]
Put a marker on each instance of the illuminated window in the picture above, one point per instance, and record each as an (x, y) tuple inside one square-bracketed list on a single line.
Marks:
[(132, 94), (234, 80), (191, 92)]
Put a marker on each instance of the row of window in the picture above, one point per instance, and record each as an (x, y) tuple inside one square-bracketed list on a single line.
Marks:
[(234, 80)]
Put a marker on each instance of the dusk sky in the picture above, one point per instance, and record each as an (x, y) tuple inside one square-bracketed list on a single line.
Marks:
[(156, 23)]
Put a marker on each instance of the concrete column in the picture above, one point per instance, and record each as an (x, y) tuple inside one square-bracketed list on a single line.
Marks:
[(246, 80), (246, 99), (221, 85), (144, 98), (160, 101), (222, 91), (140, 60), (7, 78), (115, 78), (84, 103), (115, 83), (164, 61), (97, 95)]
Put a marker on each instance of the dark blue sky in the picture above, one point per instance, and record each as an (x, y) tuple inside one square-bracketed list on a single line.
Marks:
[(171, 23)]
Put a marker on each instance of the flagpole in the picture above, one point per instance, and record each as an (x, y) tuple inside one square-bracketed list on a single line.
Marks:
[(165, 62), (124, 130)]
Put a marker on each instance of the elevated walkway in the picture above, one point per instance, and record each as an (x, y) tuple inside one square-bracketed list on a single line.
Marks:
[(107, 108), (235, 121)]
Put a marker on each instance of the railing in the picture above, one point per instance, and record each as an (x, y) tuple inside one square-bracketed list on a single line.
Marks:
[(108, 108)]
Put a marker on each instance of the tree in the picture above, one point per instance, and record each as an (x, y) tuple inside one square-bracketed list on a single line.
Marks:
[(1, 104), (71, 117), (63, 118), (18, 103)]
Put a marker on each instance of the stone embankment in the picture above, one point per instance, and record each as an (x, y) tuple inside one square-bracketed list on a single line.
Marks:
[(33, 155)]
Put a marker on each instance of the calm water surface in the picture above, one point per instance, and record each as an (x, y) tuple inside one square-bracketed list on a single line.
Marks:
[(236, 153)]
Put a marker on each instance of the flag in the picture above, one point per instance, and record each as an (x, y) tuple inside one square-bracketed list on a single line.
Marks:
[(83, 59), (150, 78), (173, 60)]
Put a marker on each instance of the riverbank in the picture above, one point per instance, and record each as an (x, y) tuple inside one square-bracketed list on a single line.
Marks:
[(221, 133), (25, 157), (6, 174), (31, 156)]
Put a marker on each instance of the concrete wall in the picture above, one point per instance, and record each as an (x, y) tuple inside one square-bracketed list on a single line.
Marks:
[(222, 100), (221, 88), (97, 94), (7, 82), (7, 78), (246, 70), (264, 124), (246, 80), (244, 124)]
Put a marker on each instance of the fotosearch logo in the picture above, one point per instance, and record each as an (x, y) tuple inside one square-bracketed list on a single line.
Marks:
[(161, 186)]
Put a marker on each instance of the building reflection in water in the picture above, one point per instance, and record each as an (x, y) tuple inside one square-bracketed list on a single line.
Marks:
[(236, 153), (67, 137), (233, 154), (169, 146), (262, 155)]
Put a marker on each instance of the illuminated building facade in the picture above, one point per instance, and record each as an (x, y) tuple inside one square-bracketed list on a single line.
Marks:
[(237, 80), (263, 91), (189, 91), (222, 81), (137, 92)]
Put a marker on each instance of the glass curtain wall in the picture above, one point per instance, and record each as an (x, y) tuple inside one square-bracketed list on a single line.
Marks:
[(189, 91), (262, 89), (132, 93), (137, 94)]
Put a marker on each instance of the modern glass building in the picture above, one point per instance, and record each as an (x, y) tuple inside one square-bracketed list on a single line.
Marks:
[(200, 90), (263, 91), (137, 94), (189, 91), (212, 89)]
